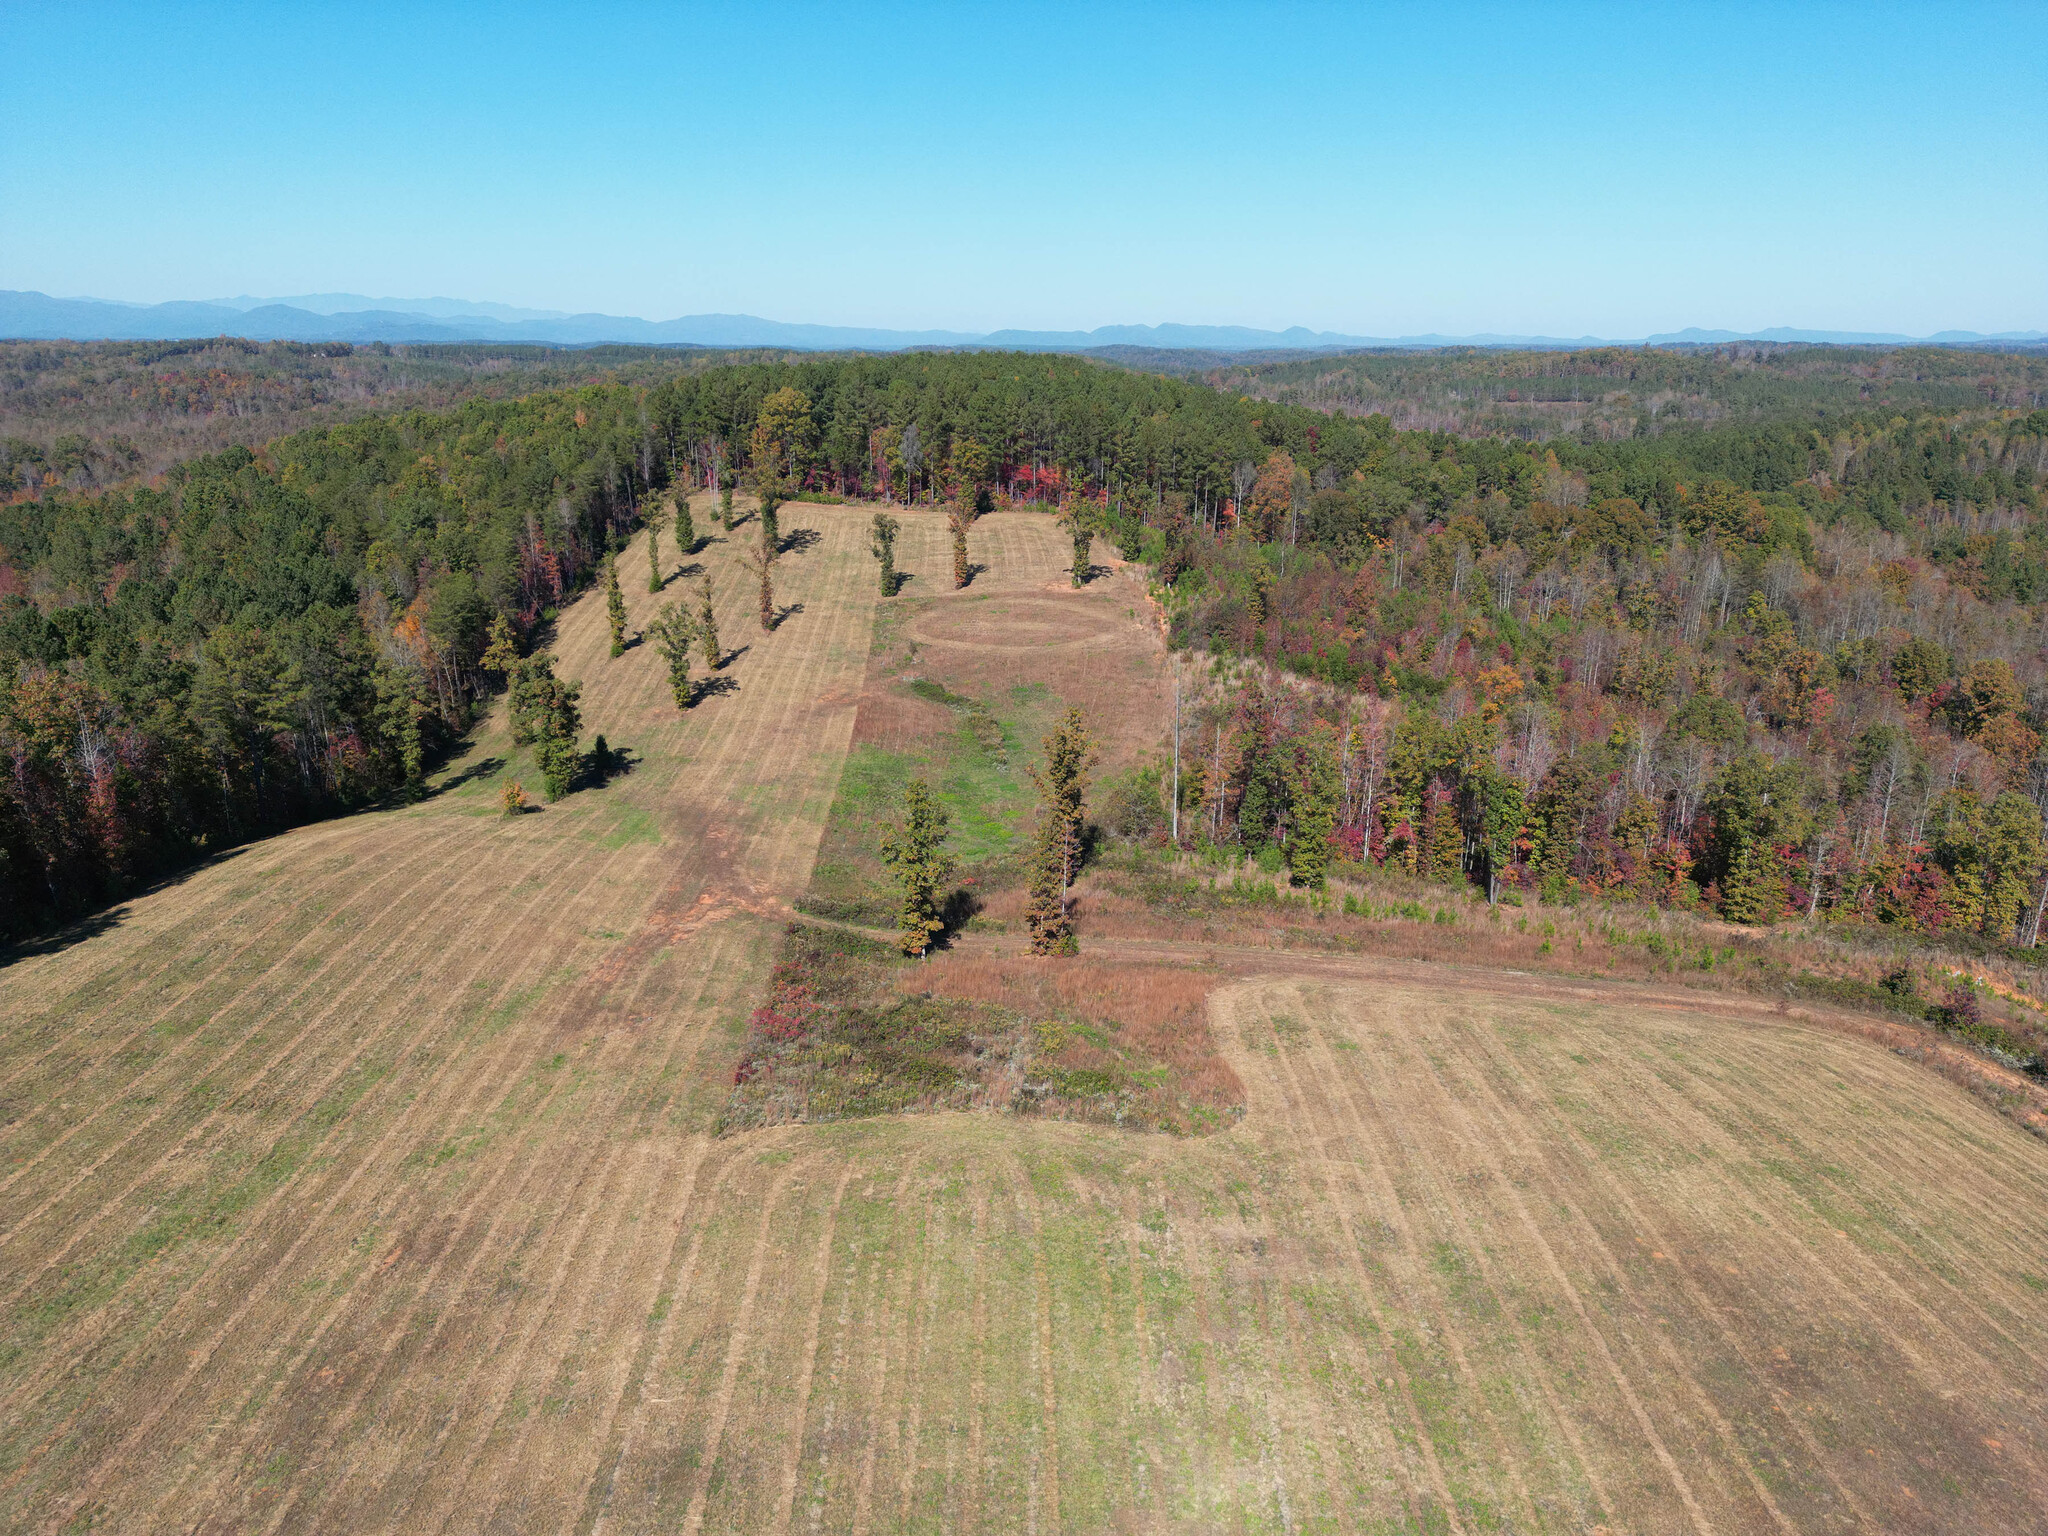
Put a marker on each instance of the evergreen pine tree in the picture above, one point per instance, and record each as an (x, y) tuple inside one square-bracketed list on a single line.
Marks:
[(961, 518), (1754, 891), (1079, 517), (771, 520), (763, 567), (707, 629), (961, 572), (725, 508), (686, 527), (916, 851), (1315, 810), (1056, 853), (883, 546), (555, 738), (656, 520), (1045, 907), (501, 655), (401, 708), (545, 713), (673, 634), (615, 604)]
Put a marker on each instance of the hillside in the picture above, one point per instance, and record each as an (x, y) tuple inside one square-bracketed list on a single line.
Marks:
[(367, 1178)]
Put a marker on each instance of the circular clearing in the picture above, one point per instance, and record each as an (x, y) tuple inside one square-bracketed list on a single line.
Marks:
[(1016, 624)]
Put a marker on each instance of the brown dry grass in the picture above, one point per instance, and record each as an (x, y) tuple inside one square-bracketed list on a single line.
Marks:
[(364, 1182)]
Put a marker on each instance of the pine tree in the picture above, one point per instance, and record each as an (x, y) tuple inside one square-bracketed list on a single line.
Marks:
[(771, 520), (673, 634), (1056, 853), (501, 655), (916, 851), (763, 567), (1079, 517), (883, 546), (725, 508), (401, 706), (707, 629), (1045, 907), (411, 750), (1755, 889), (615, 604), (656, 519), (1315, 810), (545, 713), (959, 517), (686, 527)]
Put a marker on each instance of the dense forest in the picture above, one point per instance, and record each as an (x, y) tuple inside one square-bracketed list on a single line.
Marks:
[(1605, 393), (86, 415), (1791, 665)]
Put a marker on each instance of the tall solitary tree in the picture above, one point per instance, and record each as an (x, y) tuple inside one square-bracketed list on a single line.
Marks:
[(763, 567), (707, 628), (656, 519), (615, 604), (960, 516), (725, 507), (544, 712), (1056, 851), (1078, 516), (883, 546), (916, 851), (686, 527), (673, 634)]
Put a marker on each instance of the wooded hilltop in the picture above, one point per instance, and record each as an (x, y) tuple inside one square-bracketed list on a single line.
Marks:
[(1786, 665)]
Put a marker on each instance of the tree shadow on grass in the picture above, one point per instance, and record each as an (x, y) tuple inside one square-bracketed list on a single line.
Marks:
[(482, 768), (710, 687), (604, 762), (732, 656), (782, 614), (63, 938), (53, 938), (797, 540), (959, 909)]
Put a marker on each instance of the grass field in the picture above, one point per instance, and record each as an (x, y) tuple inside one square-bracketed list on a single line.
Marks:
[(363, 1181)]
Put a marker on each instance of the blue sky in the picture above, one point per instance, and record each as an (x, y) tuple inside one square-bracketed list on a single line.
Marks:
[(1564, 169)]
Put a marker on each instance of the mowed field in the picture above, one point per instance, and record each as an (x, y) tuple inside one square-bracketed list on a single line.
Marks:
[(363, 1181)]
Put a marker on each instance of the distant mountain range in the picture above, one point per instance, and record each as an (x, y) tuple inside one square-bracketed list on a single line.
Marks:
[(354, 317)]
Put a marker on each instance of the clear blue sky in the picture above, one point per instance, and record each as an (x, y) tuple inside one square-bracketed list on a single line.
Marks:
[(1566, 169)]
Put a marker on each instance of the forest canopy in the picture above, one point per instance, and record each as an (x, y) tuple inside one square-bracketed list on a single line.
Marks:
[(1788, 663)]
